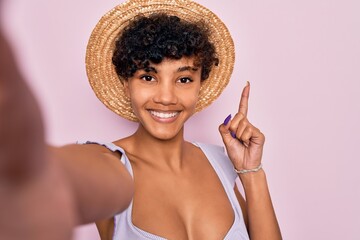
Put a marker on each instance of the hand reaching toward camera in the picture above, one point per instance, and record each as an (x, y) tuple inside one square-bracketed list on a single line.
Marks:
[(36, 201), (21, 125), (46, 191)]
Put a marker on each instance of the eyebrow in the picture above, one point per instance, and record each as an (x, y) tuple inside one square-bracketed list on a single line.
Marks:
[(180, 69), (150, 69), (187, 68)]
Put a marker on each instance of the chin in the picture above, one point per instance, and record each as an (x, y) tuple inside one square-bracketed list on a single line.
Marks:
[(165, 135)]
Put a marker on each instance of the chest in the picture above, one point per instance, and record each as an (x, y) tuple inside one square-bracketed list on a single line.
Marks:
[(189, 205)]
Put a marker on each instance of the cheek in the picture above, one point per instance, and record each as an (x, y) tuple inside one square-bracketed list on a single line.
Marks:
[(137, 98), (191, 99)]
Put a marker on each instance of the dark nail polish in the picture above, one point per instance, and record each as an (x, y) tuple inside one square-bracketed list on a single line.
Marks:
[(227, 119), (233, 134)]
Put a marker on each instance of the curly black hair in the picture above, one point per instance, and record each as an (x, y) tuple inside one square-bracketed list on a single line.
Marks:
[(159, 36)]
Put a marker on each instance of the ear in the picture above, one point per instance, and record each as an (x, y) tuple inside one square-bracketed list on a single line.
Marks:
[(126, 88)]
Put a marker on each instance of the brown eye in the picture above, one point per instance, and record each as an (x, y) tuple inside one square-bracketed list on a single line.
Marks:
[(147, 78), (185, 80)]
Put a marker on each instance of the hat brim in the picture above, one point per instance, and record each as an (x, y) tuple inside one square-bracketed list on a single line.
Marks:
[(101, 72)]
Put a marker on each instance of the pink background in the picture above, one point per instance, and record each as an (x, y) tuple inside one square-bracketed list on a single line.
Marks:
[(303, 61)]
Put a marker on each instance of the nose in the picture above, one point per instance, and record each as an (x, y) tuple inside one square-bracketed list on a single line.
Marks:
[(165, 94)]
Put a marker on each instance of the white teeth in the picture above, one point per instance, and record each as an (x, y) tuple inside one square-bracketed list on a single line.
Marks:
[(164, 115)]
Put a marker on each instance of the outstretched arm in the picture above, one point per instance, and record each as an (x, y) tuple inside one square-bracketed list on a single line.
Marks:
[(35, 200), (101, 185), (22, 146), (244, 144), (45, 192)]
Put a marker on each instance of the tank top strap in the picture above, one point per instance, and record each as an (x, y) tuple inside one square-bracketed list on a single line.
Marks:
[(112, 147), (219, 160)]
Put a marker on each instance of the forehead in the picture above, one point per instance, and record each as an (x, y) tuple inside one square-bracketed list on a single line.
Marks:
[(176, 63), (183, 60), (169, 67), (173, 65)]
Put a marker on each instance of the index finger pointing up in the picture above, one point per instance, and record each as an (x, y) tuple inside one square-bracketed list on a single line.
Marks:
[(243, 106)]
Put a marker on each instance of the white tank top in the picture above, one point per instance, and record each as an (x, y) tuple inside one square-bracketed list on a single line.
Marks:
[(125, 229)]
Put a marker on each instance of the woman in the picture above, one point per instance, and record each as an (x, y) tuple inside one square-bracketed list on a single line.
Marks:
[(157, 63)]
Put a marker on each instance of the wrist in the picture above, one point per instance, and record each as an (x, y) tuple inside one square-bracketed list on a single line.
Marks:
[(244, 171), (252, 180)]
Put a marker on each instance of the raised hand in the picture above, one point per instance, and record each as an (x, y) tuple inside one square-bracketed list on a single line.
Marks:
[(243, 141)]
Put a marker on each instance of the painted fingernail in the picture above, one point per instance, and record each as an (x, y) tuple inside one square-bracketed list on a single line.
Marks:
[(233, 134), (227, 119)]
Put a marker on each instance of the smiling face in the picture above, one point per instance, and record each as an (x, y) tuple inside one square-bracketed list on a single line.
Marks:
[(163, 96)]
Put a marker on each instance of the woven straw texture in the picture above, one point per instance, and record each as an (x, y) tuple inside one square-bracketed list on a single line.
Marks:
[(101, 72)]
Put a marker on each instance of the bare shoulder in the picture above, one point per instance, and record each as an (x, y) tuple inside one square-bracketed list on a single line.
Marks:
[(84, 151), (192, 148)]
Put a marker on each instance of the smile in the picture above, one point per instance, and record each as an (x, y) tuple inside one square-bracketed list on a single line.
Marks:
[(163, 115)]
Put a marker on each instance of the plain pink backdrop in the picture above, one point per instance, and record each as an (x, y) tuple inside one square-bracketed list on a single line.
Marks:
[(303, 61)]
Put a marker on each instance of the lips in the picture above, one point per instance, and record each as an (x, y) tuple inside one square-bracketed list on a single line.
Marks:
[(163, 115)]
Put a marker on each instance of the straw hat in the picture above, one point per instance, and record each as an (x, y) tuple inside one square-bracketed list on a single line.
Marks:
[(101, 72)]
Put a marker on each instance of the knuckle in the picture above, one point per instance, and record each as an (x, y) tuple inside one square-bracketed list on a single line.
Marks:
[(262, 136), (233, 127), (243, 123), (249, 129), (239, 115)]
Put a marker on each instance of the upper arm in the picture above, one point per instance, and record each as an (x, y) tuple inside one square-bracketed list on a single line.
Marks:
[(243, 205), (101, 184)]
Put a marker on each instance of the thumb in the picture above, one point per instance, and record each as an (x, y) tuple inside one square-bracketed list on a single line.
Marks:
[(225, 133)]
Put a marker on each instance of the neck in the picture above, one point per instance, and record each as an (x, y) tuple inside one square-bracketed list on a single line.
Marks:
[(160, 152)]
